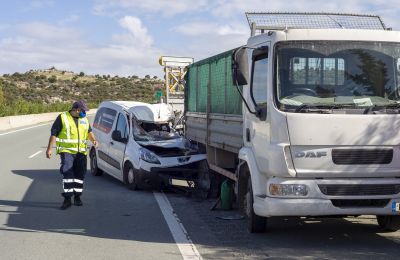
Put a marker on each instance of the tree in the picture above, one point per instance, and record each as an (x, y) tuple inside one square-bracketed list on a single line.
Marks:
[(147, 77), (81, 74)]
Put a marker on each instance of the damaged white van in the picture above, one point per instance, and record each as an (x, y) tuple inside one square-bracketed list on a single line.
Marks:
[(138, 146)]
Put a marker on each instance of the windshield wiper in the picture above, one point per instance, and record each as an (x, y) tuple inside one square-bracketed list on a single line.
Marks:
[(322, 107), (381, 107)]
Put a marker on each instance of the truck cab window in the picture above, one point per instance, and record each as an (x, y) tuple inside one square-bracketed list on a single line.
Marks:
[(259, 80)]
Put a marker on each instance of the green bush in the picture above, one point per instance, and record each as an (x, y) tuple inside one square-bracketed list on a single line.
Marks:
[(53, 79)]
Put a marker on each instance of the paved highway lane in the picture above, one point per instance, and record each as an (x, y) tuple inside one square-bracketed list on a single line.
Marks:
[(116, 223)]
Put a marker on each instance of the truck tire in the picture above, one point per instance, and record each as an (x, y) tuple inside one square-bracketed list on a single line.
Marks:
[(389, 223), (256, 224), (130, 177), (94, 168), (207, 185)]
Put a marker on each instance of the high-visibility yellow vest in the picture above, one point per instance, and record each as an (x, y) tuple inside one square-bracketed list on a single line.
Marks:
[(72, 139)]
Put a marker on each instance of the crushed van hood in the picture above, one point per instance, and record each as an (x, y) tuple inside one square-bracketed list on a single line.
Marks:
[(172, 143)]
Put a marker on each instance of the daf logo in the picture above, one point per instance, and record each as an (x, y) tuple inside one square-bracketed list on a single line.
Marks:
[(310, 154), (183, 159)]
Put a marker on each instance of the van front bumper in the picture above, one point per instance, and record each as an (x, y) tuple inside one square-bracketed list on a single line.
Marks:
[(162, 177)]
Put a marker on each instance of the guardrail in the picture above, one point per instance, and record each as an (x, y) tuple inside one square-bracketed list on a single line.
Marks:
[(11, 122)]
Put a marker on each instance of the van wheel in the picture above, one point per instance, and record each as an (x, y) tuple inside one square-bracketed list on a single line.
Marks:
[(256, 224), (94, 169), (389, 223), (130, 177)]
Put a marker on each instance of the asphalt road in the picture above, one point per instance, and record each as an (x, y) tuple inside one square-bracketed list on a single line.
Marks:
[(116, 223)]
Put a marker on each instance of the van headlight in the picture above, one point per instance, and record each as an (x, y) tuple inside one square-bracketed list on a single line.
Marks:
[(148, 156), (299, 190)]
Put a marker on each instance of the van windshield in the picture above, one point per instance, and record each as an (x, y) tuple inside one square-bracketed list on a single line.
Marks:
[(337, 74), (143, 131)]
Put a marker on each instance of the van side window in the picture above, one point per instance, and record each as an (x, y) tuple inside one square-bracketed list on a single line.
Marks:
[(259, 79), (104, 119), (122, 126)]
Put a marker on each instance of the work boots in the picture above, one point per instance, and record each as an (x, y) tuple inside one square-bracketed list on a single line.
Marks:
[(77, 201), (66, 204)]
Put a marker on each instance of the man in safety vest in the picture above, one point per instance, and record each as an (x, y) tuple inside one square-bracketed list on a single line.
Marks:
[(71, 132)]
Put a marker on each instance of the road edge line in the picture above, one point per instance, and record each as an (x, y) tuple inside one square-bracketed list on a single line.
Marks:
[(22, 129), (186, 247), (33, 155)]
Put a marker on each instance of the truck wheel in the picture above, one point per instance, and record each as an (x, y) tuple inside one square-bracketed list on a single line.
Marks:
[(389, 223), (256, 224), (130, 177), (94, 169), (206, 182)]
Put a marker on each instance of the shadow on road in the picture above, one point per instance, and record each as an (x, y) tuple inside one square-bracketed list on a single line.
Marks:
[(109, 211)]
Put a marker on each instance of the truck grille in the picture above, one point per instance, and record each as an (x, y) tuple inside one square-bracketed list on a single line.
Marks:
[(362, 156), (374, 203), (359, 190)]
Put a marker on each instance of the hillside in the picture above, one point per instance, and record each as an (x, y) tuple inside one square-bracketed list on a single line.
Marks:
[(38, 91)]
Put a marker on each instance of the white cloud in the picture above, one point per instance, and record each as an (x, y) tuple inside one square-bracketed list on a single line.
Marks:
[(40, 45), (209, 28), (137, 32), (167, 8), (37, 4)]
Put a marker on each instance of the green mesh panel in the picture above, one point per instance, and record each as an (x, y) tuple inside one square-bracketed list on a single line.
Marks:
[(204, 71), (218, 85), (233, 99), (191, 89), (224, 97)]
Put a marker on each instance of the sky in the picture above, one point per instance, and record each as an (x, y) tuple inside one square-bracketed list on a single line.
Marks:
[(127, 37)]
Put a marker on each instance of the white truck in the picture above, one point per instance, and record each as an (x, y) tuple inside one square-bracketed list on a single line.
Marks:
[(304, 117)]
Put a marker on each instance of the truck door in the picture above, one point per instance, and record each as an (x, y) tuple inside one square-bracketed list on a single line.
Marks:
[(257, 127), (118, 143)]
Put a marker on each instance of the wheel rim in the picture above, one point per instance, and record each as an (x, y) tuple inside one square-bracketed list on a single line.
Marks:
[(131, 176)]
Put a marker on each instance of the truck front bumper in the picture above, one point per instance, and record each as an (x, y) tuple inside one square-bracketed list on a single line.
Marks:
[(365, 196), (316, 207)]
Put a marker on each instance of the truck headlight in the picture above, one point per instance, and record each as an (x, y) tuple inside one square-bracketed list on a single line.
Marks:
[(300, 190), (148, 156)]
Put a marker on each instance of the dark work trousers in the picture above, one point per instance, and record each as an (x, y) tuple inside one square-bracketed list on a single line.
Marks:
[(73, 169)]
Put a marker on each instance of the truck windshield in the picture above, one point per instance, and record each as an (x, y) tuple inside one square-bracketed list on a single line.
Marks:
[(337, 75)]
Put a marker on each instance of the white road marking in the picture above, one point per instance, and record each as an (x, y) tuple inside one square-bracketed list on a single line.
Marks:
[(24, 129), (33, 155), (178, 231)]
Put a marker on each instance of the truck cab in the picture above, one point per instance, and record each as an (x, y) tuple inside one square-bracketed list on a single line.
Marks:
[(320, 119)]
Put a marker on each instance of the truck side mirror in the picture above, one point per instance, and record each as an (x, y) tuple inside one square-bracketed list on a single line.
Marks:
[(240, 67)]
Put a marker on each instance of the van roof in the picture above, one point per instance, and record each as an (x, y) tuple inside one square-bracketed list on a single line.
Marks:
[(155, 113)]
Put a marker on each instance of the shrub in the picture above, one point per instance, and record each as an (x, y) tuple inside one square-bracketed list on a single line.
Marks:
[(53, 79)]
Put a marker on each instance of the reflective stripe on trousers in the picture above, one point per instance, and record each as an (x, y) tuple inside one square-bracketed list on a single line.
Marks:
[(73, 169)]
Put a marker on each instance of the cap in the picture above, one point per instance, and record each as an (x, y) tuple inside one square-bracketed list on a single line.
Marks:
[(80, 104)]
